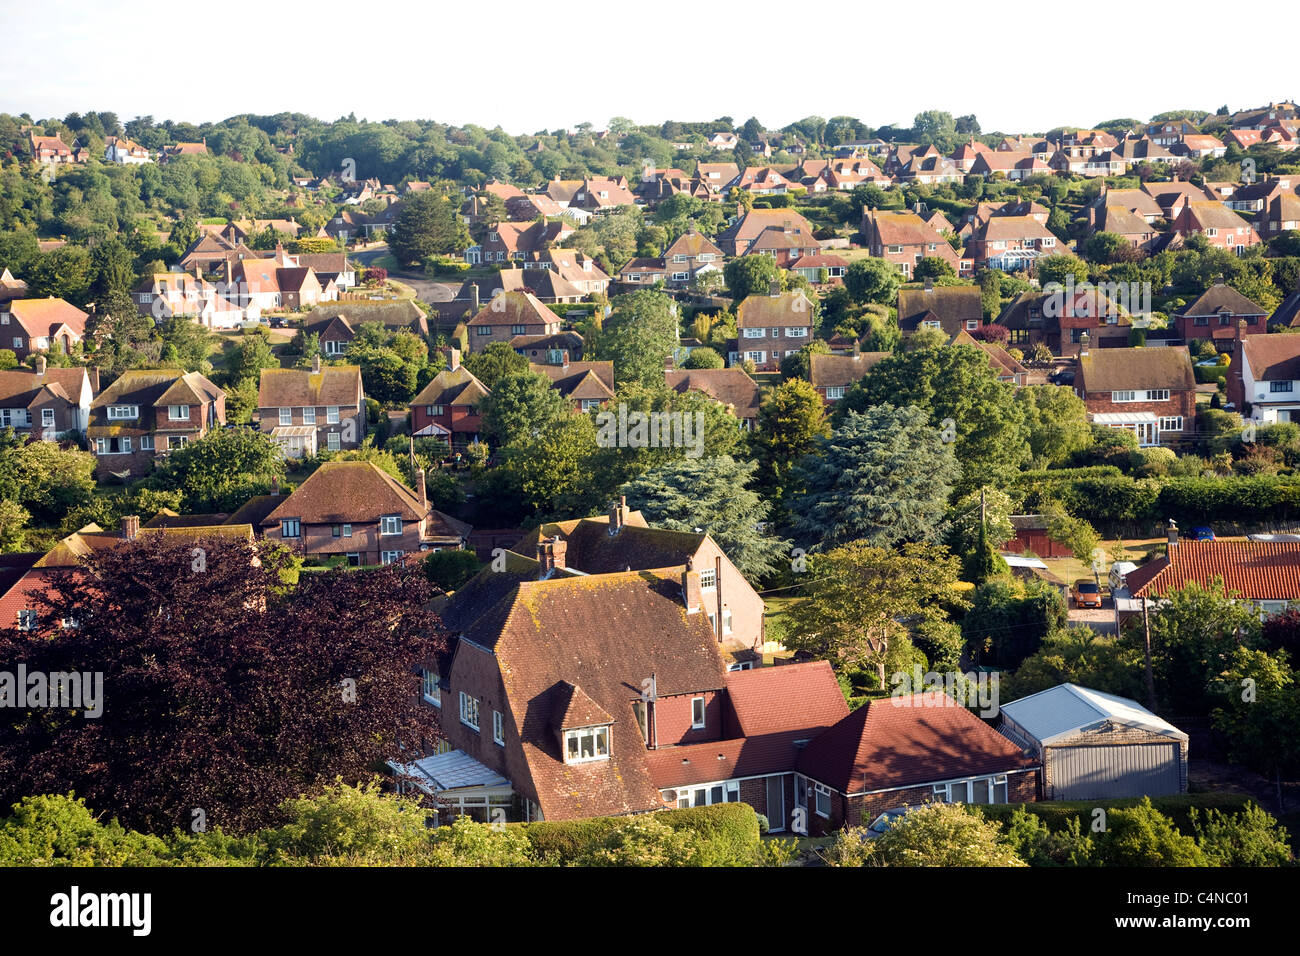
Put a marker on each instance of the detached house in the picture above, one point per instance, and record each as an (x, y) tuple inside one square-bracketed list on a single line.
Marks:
[(834, 375), (307, 412), (51, 150), (508, 315), (46, 403), (737, 238), (1010, 243), (1220, 314), (728, 386), (1264, 378), (1148, 391), (357, 510), (145, 414), (951, 309), (119, 149), (1265, 574), (903, 239), (1217, 223), (36, 325), (1061, 319), (449, 406), (586, 385), (769, 327)]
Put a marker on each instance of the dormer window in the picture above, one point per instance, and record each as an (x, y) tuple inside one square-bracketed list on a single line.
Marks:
[(586, 744), (123, 412)]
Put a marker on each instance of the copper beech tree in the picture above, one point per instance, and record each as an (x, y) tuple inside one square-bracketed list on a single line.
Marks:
[(228, 686)]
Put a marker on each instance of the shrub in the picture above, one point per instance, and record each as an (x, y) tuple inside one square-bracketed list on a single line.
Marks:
[(1248, 838), (938, 834), (450, 569)]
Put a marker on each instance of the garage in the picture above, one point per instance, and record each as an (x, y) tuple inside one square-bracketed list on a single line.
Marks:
[(1096, 746)]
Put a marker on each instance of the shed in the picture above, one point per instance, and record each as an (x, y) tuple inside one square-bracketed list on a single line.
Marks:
[(1097, 746)]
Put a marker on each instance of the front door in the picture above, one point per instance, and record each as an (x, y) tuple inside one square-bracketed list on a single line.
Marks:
[(776, 803)]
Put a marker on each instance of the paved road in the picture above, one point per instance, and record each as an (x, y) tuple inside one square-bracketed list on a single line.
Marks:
[(425, 288), (1101, 620)]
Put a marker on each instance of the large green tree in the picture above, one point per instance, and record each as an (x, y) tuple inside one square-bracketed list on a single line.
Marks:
[(222, 470), (429, 224), (791, 418), (639, 336), (522, 406)]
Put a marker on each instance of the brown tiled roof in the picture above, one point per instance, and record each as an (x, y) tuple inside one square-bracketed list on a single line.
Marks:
[(692, 243), (593, 550), (1257, 570), (579, 380), (1208, 214), (756, 220), (839, 371), (1108, 370), (448, 387), (149, 387), (573, 708), (63, 382), (41, 317), (402, 314), (514, 308), (952, 306), (902, 741), (352, 491), (1272, 356), (1122, 222), (1134, 200), (1223, 298), (730, 386), (771, 311), (300, 388)]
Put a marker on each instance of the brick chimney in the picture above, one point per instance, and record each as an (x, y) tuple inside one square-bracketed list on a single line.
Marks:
[(617, 515), (275, 484), (473, 296), (550, 556), (422, 489), (1173, 537), (717, 591), (1083, 345), (315, 364), (130, 527), (453, 358), (929, 284), (692, 596), (40, 364)]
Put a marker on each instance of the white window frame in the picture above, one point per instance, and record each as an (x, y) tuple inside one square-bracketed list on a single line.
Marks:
[(498, 729), (117, 413), (47, 418), (796, 332), (333, 441), (821, 792), (835, 391), (469, 710), (754, 333), (1172, 423), (708, 578), (1128, 395), (347, 531), (429, 688), (146, 443), (286, 416), (332, 415), (390, 557), (574, 739), (390, 525), (173, 417), (309, 415), (699, 713)]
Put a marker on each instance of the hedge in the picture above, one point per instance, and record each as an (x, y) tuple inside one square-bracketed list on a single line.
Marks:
[(1205, 374), (728, 834), (1058, 813)]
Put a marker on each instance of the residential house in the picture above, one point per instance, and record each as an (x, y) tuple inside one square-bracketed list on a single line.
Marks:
[(1281, 213), (575, 270), (509, 315), (450, 406), (731, 387), (903, 239), (599, 195), (50, 150), (1133, 227), (1148, 391), (1014, 166), (1220, 225), (1010, 243), (177, 150), (737, 238), (168, 295), (336, 323), (1173, 196), (813, 265), (786, 246), (1220, 314), (1060, 319), (586, 385), (1136, 201), (770, 327), (120, 150), (723, 140), (309, 411), (833, 375), (508, 241), (1264, 378), (950, 309), (690, 254), (1263, 574), (762, 181), (355, 509), (48, 402), (11, 288), (146, 413), (1003, 364), (37, 325), (643, 272), (716, 176)]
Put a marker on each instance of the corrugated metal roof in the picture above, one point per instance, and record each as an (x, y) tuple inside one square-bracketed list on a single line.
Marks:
[(1061, 712)]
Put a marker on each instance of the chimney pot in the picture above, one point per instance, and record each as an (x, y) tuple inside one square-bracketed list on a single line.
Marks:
[(1173, 533), (422, 488), (130, 527), (315, 364)]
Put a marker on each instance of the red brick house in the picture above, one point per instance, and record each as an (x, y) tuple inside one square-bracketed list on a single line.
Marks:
[(1220, 314), (449, 406), (737, 238), (36, 325), (770, 327), (1149, 391), (951, 309), (145, 414), (308, 411), (507, 315), (1222, 227), (1010, 242), (52, 150), (357, 510), (1060, 319), (904, 239), (586, 385)]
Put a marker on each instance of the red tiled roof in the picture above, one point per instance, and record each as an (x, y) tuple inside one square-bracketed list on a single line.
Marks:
[(769, 700), (903, 741), (1256, 570)]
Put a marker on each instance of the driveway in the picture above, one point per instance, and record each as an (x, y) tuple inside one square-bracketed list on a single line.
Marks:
[(1101, 620), (426, 289)]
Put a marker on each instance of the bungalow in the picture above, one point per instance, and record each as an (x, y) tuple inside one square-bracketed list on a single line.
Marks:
[(308, 411), (1220, 314), (1150, 392), (813, 265), (449, 407), (357, 510), (146, 413), (36, 325), (1265, 574)]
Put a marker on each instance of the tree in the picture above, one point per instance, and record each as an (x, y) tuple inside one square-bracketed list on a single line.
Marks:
[(936, 127), (1056, 422), (860, 600), (428, 225), (873, 280), (1078, 655), (448, 570), (964, 400), (185, 344), (385, 375), (1075, 533), (799, 364), (639, 336), (249, 357), (1143, 836), (791, 418), (552, 473), (225, 689), (1059, 268), (710, 494), (521, 407), (883, 476), (222, 470), (752, 275), (8, 360), (938, 834), (13, 526), (494, 363), (43, 479), (1260, 715), (1249, 838), (1011, 618), (932, 267), (703, 357)]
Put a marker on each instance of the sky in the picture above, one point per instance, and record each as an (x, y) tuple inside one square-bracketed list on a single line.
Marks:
[(528, 67)]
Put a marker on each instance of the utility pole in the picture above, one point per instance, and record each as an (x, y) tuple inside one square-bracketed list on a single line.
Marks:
[(981, 507), (1146, 649)]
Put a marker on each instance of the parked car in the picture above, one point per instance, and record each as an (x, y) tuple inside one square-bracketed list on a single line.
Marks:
[(1086, 593), (1118, 572), (1063, 376), (1201, 533), (885, 821)]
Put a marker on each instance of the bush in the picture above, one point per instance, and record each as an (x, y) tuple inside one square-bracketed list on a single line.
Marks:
[(450, 569), (1249, 838), (725, 834), (937, 834)]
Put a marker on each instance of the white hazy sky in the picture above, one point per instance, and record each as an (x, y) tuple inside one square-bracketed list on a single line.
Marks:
[(528, 67)]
